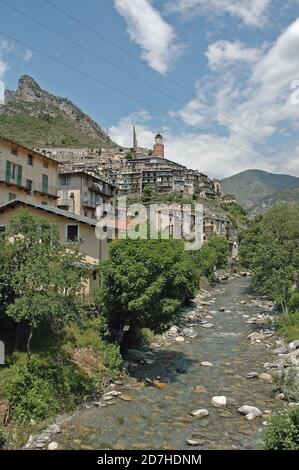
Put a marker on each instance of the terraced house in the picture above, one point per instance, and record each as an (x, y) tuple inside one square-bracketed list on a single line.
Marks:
[(26, 174)]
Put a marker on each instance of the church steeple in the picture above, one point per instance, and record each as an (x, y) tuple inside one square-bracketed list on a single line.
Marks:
[(135, 145)]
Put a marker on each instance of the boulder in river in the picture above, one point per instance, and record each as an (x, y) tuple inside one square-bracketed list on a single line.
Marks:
[(199, 413), (53, 446), (193, 442), (247, 409), (179, 339), (219, 401), (206, 364), (208, 325), (266, 378), (252, 375), (189, 333)]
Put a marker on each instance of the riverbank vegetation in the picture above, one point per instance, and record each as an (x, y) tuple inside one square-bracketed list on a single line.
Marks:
[(270, 249), (59, 346)]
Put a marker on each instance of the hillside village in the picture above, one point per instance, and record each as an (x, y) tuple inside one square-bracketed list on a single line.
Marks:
[(69, 184)]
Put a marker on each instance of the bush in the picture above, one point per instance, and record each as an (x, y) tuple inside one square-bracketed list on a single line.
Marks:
[(290, 330), (40, 389), (112, 358), (283, 430), (288, 384)]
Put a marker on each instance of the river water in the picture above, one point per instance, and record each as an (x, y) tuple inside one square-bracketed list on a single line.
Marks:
[(153, 418)]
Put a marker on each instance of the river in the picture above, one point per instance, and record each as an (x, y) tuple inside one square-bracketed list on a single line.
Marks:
[(152, 418)]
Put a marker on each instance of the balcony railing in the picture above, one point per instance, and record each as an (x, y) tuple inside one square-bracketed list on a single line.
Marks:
[(18, 182), (45, 189)]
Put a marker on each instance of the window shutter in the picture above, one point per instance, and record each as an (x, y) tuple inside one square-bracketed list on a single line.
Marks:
[(8, 171), (19, 175)]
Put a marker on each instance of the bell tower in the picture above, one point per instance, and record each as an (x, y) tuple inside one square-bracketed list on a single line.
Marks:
[(158, 149)]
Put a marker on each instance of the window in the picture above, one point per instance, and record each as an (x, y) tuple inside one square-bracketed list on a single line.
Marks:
[(94, 275), (44, 203), (29, 185), (30, 160), (72, 233), (85, 214), (65, 180), (14, 150), (45, 186), (12, 196), (45, 163)]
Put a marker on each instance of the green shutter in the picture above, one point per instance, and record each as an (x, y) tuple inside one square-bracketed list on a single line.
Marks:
[(8, 171), (19, 175), (45, 184)]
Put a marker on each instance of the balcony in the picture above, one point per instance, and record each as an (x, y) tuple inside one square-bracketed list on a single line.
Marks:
[(20, 183), (45, 190), (100, 187)]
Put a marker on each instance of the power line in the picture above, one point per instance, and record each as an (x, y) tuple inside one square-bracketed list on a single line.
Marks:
[(128, 95), (118, 67), (170, 80)]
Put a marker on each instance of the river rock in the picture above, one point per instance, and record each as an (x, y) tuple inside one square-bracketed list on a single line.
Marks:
[(193, 442), (208, 325), (255, 336), (189, 333), (113, 393), (199, 413), (53, 446), (252, 375), (266, 378), (221, 309), (253, 411), (280, 350), (173, 330), (206, 364), (293, 345), (219, 401), (179, 339)]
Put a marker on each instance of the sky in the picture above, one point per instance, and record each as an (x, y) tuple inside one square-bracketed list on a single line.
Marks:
[(218, 78)]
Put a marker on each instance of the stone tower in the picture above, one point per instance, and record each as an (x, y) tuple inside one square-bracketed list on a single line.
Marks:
[(158, 149)]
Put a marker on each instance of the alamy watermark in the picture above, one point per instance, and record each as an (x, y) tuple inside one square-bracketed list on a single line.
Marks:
[(151, 222), (295, 95)]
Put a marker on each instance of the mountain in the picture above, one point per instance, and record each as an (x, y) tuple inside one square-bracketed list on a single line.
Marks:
[(37, 118), (251, 187)]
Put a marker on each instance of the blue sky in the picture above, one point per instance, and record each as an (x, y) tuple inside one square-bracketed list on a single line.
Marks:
[(241, 57)]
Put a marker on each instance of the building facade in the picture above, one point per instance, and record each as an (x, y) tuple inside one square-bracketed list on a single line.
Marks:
[(26, 174), (81, 192)]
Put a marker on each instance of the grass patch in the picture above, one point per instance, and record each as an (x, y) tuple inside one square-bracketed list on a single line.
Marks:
[(289, 331)]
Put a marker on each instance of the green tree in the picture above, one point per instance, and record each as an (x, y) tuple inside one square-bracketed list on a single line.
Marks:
[(270, 248), (43, 278), (145, 283)]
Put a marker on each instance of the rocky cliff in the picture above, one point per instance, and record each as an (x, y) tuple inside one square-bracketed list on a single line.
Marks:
[(36, 118)]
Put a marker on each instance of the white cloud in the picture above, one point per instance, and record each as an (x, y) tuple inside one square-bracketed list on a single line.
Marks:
[(151, 32), (27, 55), (251, 12), (259, 99), (222, 53)]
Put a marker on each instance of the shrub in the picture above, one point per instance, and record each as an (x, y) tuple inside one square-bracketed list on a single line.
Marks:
[(112, 358), (283, 430), (40, 389), (288, 384)]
